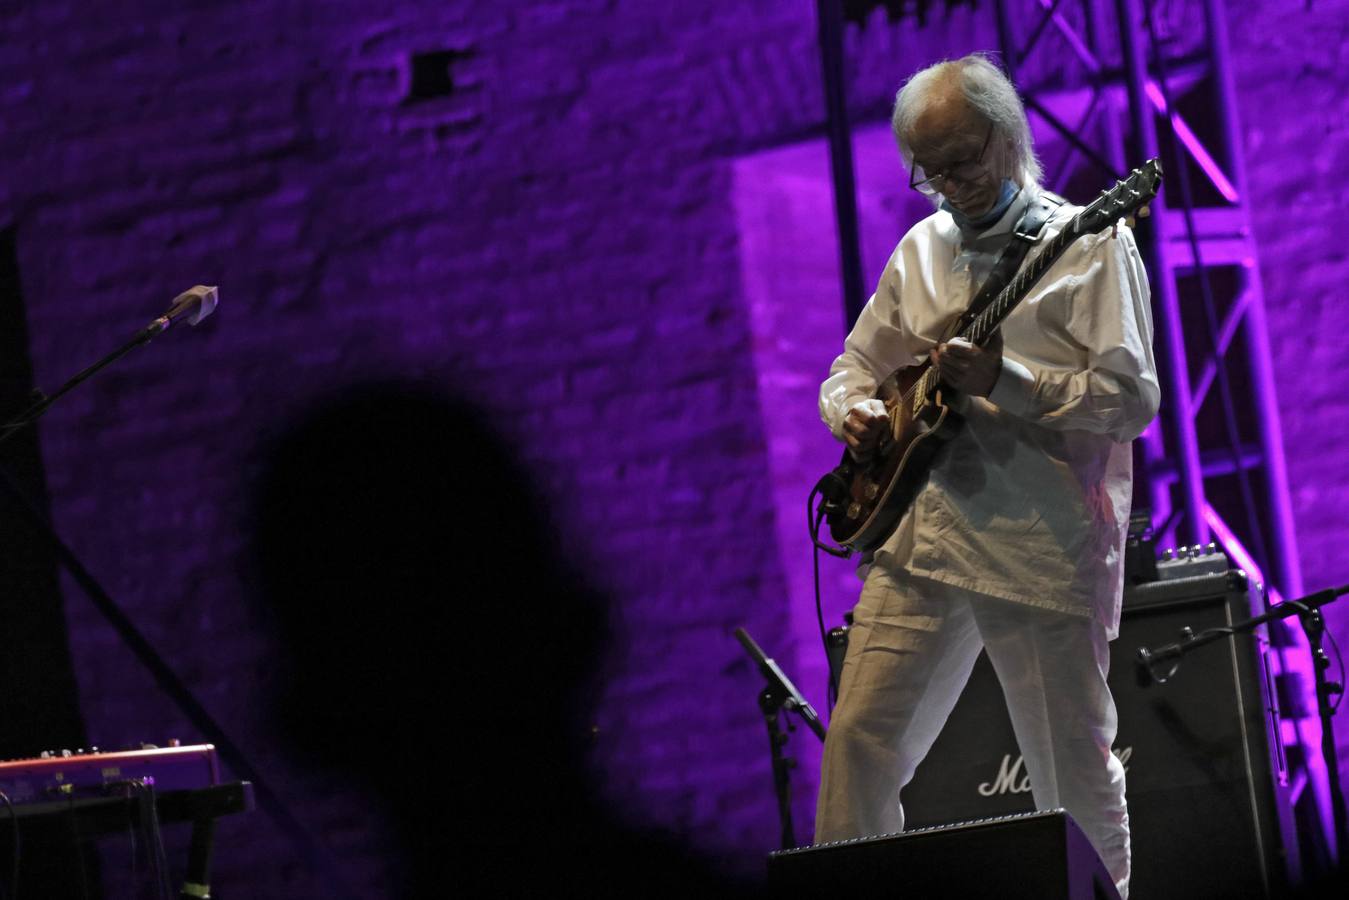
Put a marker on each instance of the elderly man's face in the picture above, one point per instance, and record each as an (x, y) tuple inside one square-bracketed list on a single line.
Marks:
[(952, 140)]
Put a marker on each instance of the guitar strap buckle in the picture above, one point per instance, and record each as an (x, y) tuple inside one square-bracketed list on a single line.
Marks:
[(1033, 221)]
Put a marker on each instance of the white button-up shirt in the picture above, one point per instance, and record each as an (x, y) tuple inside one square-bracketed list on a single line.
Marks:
[(1030, 501)]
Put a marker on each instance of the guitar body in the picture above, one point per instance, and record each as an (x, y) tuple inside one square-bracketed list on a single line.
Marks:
[(881, 489)]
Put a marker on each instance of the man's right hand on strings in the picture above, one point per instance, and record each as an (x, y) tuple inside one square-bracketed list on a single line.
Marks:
[(863, 428)]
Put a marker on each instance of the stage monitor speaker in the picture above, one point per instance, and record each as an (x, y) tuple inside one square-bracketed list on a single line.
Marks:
[(1036, 856), (1206, 777)]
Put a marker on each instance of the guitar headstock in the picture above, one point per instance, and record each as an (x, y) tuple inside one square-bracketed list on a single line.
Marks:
[(1128, 198)]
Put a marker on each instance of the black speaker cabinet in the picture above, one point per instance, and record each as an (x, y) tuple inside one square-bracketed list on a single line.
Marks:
[(1205, 772), (1036, 856)]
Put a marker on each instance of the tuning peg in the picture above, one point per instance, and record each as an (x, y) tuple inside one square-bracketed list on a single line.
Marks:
[(1144, 212), (1129, 220)]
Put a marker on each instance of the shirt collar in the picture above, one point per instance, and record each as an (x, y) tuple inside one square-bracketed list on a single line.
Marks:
[(1006, 222)]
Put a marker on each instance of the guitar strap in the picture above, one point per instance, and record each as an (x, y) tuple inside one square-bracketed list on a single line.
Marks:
[(1025, 234)]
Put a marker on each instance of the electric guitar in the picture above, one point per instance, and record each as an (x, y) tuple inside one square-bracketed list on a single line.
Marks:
[(865, 501)]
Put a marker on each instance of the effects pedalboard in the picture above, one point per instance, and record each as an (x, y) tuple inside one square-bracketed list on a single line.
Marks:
[(1187, 562)]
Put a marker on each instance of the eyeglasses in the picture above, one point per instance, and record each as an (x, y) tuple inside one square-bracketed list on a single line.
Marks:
[(964, 171)]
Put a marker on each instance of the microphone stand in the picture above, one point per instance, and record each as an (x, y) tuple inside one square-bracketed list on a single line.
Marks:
[(132, 637), (44, 402), (1308, 611), (778, 694)]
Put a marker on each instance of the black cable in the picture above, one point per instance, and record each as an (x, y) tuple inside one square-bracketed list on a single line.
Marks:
[(14, 866), (148, 808), (156, 839), (131, 831), (813, 520), (143, 825), (813, 525), (1175, 666), (77, 840), (1206, 293), (1305, 610), (829, 697), (1339, 662)]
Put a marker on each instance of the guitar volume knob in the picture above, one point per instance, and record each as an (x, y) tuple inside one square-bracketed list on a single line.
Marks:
[(854, 509), (872, 490)]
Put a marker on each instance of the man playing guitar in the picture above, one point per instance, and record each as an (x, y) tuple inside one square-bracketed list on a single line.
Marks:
[(1014, 544)]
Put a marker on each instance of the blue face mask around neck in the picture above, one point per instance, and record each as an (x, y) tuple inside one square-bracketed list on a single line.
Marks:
[(1005, 197)]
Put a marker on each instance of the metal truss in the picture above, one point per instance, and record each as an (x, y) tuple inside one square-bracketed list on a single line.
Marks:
[(1116, 82), (1101, 75), (1214, 468)]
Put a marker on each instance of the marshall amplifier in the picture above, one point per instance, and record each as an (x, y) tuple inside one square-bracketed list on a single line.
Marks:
[(1206, 777)]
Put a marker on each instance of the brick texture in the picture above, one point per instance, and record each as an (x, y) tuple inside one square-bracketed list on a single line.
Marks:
[(552, 233)]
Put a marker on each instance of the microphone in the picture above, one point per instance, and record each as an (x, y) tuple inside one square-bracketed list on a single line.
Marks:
[(192, 305), (1148, 660)]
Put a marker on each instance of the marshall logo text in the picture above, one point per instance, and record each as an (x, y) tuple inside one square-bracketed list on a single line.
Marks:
[(1012, 779)]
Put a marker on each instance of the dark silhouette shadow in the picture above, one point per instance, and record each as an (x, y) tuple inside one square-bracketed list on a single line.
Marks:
[(440, 652)]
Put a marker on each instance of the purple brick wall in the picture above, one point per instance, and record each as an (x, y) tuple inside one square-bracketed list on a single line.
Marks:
[(1292, 92), (562, 238)]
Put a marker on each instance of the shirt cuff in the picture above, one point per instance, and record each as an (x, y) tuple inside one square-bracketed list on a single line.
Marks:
[(872, 405), (1015, 386)]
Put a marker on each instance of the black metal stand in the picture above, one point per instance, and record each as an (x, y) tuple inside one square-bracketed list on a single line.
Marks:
[(1308, 611), (1315, 627), (830, 25), (191, 306), (771, 702), (144, 651), (780, 694), (197, 879), (44, 402), (107, 814)]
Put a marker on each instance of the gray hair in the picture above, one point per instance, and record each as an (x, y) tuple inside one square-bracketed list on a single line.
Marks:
[(988, 92)]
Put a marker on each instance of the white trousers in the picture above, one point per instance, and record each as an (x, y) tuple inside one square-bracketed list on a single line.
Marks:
[(910, 651)]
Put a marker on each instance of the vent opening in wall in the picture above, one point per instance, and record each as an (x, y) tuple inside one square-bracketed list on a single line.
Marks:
[(431, 74)]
